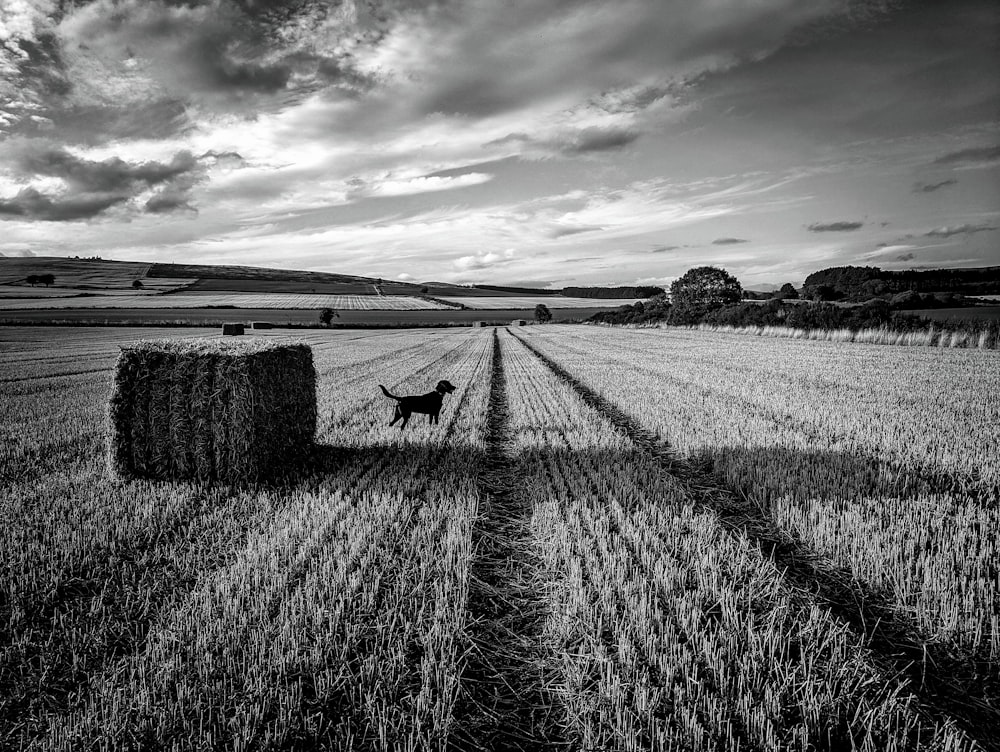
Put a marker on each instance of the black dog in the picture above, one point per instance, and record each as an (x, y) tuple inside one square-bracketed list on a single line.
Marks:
[(428, 404)]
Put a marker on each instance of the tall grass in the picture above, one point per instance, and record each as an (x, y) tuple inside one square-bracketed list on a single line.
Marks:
[(984, 339)]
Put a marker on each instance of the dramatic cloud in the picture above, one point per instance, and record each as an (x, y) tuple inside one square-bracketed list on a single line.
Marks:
[(931, 187), (30, 204), (90, 187), (980, 155), (966, 229), (112, 175), (569, 142), (835, 226), (905, 257), (599, 139), (475, 139)]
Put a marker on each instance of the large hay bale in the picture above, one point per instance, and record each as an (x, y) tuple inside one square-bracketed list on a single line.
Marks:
[(229, 410), (262, 325), (518, 322), (232, 329)]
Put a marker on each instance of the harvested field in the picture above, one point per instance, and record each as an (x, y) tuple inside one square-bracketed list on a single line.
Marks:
[(613, 540), (520, 302), (212, 316), (230, 300)]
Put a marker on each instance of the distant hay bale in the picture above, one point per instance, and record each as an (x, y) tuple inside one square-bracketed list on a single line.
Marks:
[(263, 325), (241, 410), (518, 322), (232, 329), (478, 323)]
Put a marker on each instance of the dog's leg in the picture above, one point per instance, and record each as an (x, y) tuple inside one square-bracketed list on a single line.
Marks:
[(406, 419), (396, 416)]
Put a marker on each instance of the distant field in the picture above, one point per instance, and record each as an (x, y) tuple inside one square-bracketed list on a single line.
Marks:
[(528, 303), (237, 300), (214, 316), (978, 313), (347, 287)]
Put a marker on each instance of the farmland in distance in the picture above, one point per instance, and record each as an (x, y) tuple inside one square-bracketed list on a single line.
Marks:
[(615, 539)]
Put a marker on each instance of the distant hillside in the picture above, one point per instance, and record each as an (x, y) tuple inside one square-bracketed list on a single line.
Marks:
[(613, 293), (863, 282), (262, 279), (88, 274), (495, 289), (82, 274)]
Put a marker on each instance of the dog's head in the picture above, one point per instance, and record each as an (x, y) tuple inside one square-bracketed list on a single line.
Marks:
[(445, 387)]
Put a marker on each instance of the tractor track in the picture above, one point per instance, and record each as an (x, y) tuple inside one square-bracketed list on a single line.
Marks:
[(504, 705)]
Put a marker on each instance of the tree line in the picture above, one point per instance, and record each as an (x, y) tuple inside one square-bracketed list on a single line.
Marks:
[(860, 283), (709, 295), (40, 279)]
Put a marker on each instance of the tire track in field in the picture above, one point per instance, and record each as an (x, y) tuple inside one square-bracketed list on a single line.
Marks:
[(947, 684), (504, 705)]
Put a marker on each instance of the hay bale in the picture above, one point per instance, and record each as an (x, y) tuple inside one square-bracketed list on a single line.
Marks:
[(263, 325), (478, 324), (211, 409), (232, 329), (518, 322)]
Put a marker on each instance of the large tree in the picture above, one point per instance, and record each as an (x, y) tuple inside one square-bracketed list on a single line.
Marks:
[(701, 290), (542, 314)]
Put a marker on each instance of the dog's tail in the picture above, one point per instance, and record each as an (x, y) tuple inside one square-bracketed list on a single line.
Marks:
[(388, 394)]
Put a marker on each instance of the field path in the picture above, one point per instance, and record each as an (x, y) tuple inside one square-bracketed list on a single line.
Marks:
[(947, 685), (504, 705)]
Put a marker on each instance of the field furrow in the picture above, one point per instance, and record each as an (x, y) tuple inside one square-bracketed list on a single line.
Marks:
[(672, 631), (914, 524)]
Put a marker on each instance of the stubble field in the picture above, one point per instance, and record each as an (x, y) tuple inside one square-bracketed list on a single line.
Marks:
[(614, 540)]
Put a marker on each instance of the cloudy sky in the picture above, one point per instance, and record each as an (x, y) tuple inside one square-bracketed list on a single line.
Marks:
[(542, 142)]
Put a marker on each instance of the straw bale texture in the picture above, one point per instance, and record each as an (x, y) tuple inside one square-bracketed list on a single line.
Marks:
[(232, 329), (262, 325), (211, 409), (518, 322)]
